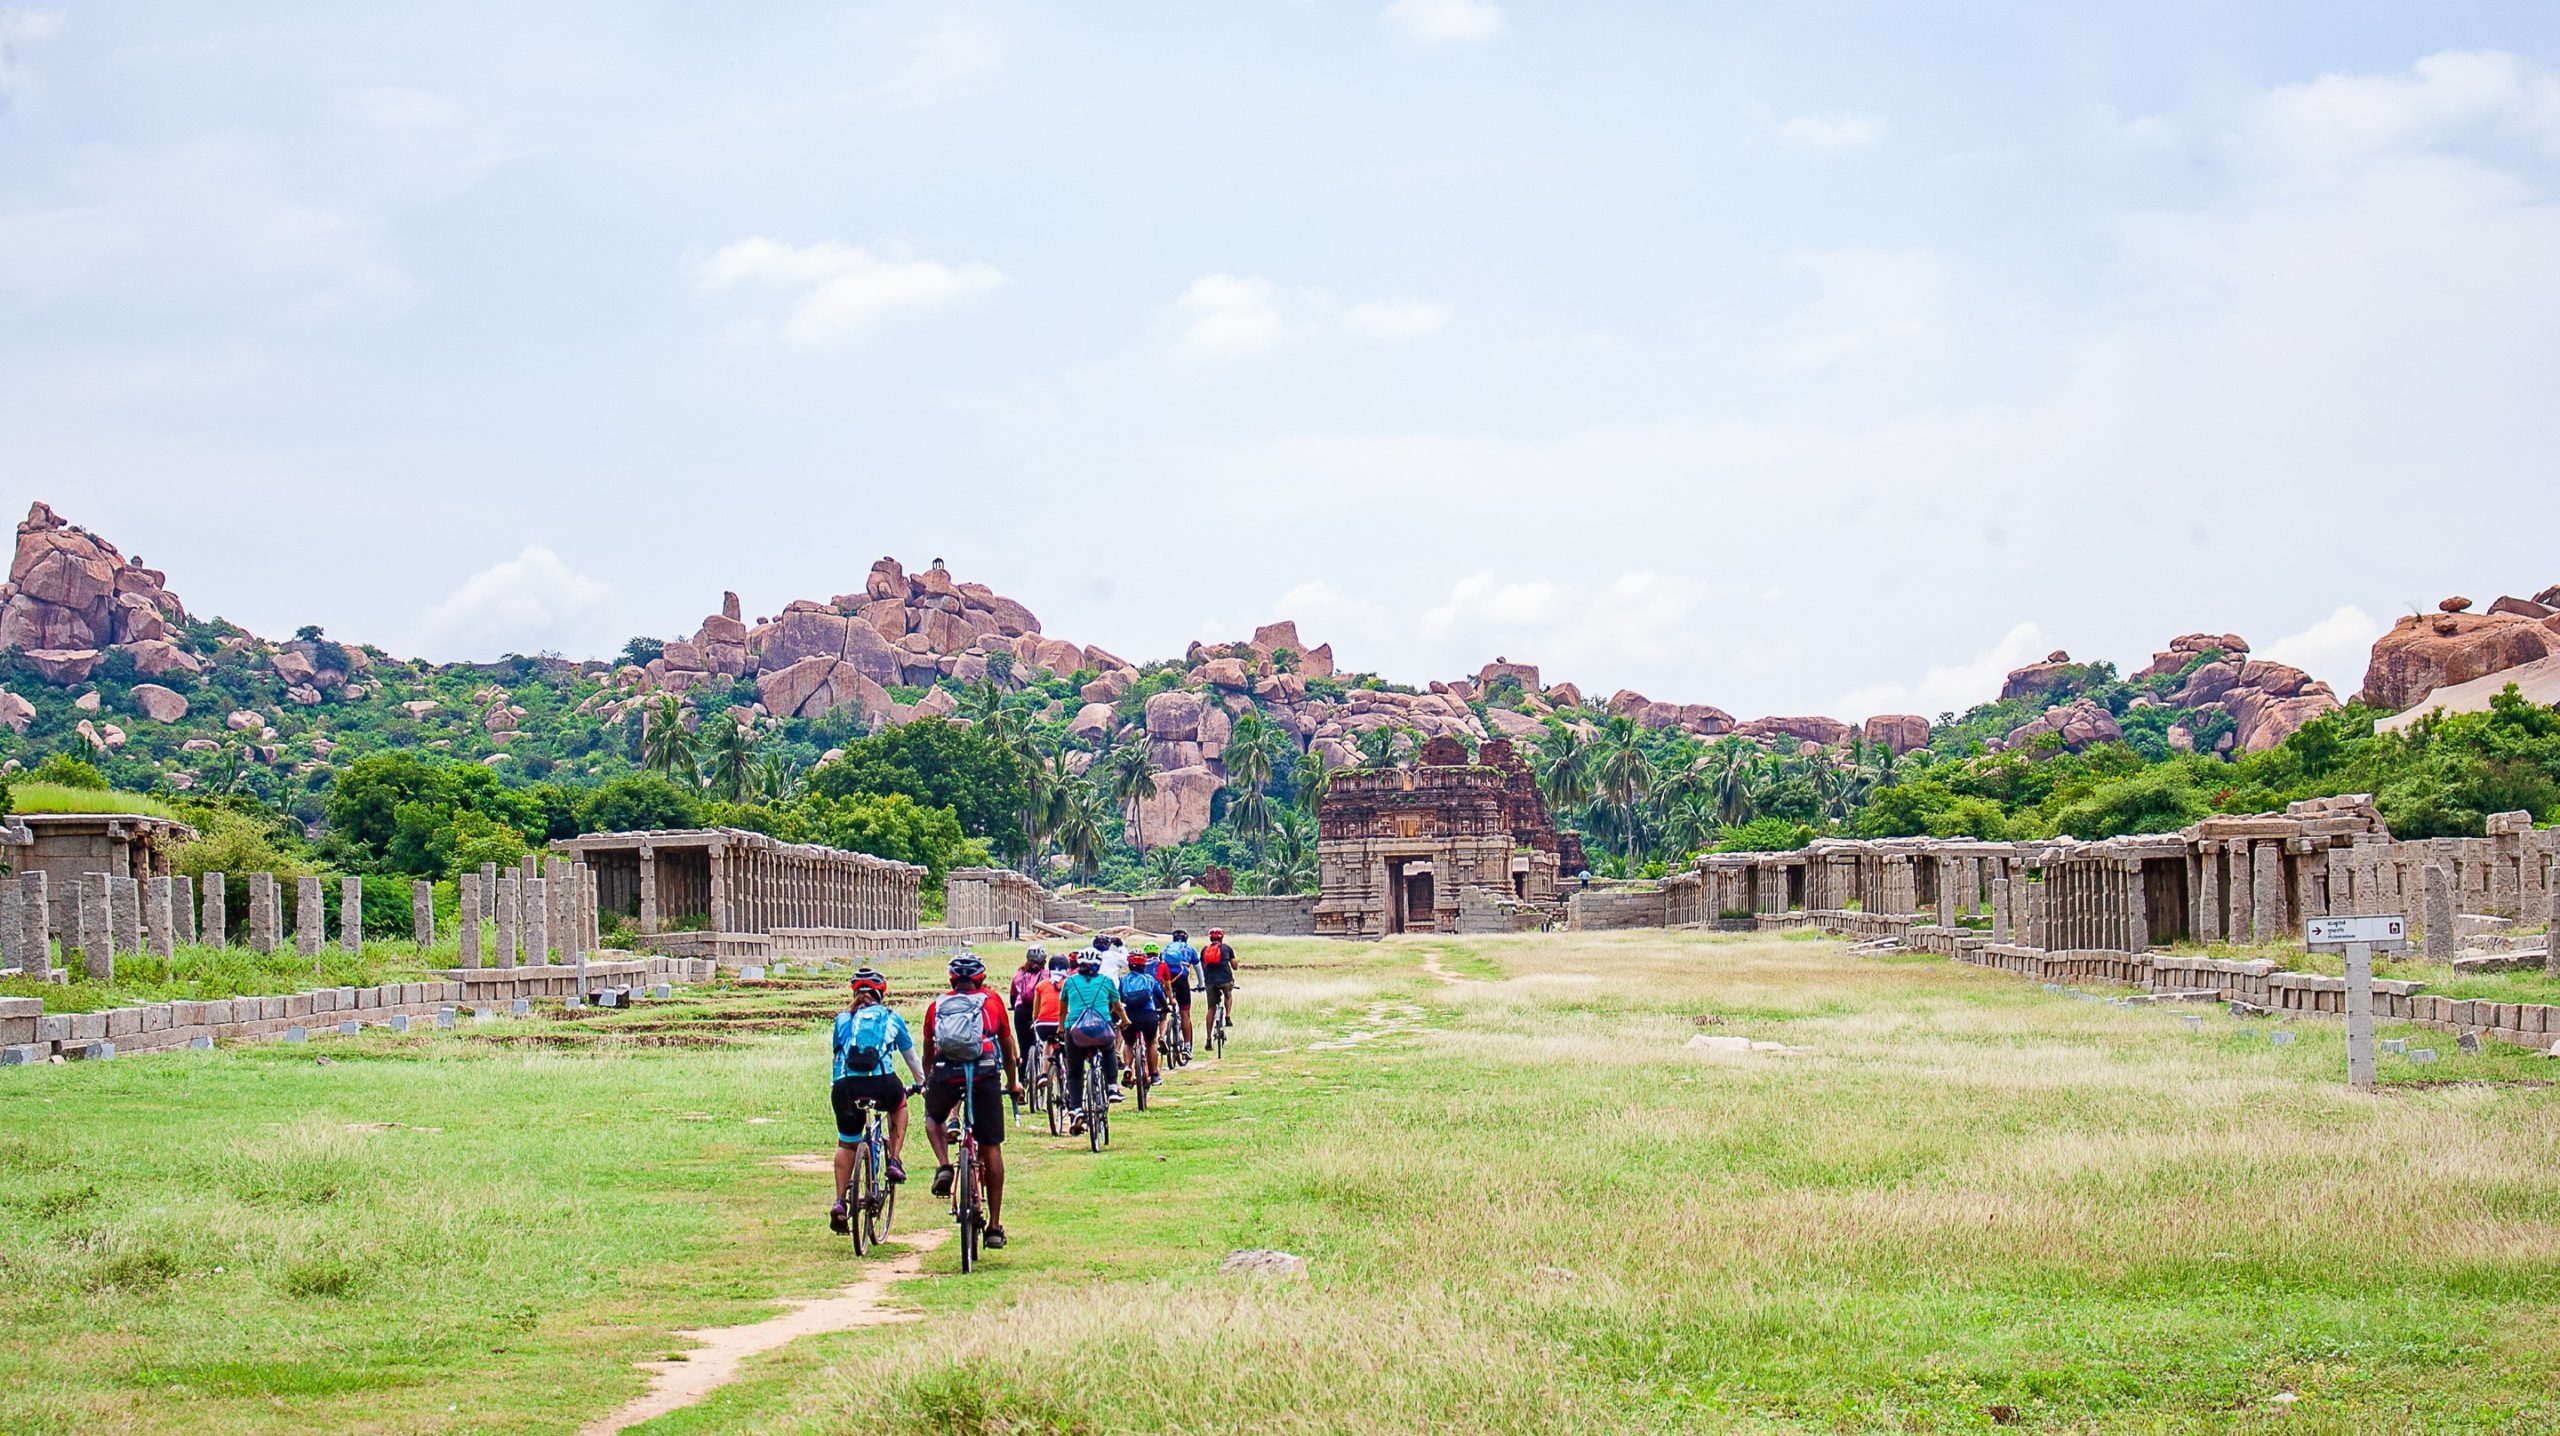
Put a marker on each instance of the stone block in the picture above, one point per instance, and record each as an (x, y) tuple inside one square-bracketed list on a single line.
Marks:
[(350, 1029), (100, 1051), (444, 1017), (368, 998), (158, 1018), (522, 1006), (53, 1029), (296, 1034), (398, 1022), (201, 1042), (123, 1021), (23, 1053)]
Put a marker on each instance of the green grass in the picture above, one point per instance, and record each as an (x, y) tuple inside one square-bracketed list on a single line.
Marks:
[(28, 797), (1526, 1207), (195, 972)]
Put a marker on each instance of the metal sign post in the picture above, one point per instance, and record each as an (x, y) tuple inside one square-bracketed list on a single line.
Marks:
[(2359, 936)]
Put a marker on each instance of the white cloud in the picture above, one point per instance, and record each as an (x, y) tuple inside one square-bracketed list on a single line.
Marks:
[(1831, 131), (1397, 318), (19, 29), (2339, 119), (2334, 650), (1950, 687), (527, 604), (1864, 300), (1445, 22), (833, 290), (1640, 618), (1231, 316)]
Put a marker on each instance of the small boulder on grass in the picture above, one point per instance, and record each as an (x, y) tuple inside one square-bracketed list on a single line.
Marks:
[(1281, 1265)]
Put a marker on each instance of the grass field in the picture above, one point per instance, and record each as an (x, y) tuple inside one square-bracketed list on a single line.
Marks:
[(1525, 1204)]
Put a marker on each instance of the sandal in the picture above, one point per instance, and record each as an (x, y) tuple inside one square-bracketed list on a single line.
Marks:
[(942, 1180), (995, 1238)]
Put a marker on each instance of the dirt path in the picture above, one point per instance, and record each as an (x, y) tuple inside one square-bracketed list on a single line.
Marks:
[(1431, 964), (714, 1362)]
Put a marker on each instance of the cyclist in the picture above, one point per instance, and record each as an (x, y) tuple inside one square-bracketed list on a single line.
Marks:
[(1035, 966), (949, 1068), (1143, 999), (1048, 1005), (1218, 972), (1180, 958), (867, 1034), (1114, 954), (1093, 1017)]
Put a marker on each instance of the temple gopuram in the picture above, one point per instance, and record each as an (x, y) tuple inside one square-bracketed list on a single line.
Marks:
[(1410, 849)]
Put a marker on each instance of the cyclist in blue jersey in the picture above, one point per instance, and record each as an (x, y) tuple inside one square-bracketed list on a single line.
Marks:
[(868, 1036), (1180, 958)]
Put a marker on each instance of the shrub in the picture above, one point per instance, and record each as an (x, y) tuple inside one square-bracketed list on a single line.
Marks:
[(63, 770)]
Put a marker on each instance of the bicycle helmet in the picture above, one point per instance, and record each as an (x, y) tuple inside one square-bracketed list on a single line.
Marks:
[(967, 967), (1154, 949), (1062, 962), (1037, 952), (1089, 964), (1216, 933), (871, 980)]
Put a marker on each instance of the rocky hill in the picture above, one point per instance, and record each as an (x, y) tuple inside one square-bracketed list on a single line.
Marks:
[(102, 660)]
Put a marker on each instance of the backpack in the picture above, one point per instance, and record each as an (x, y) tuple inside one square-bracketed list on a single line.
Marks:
[(866, 1044), (1091, 1030), (960, 1027), (1139, 994), (1217, 954)]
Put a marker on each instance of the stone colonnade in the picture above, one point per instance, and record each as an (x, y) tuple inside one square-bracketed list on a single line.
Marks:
[(743, 882)]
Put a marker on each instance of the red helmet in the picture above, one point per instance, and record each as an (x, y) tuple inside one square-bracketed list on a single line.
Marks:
[(1216, 933), (872, 981)]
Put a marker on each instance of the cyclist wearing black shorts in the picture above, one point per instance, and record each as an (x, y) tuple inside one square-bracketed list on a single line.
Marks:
[(867, 1036), (1180, 957), (1026, 978), (990, 1074), (1218, 972)]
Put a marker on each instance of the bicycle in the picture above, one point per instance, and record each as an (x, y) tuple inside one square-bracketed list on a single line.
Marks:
[(1053, 1078), (968, 1186), (1097, 1101), (1218, 1022), (1141, 1068), (873, 1201)]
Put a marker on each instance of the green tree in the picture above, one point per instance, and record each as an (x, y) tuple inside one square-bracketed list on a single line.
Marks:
[(1564, 766), (940, 765), (1621, 775), (667, 747), (639, 801), (1129, 775), (733, 761)]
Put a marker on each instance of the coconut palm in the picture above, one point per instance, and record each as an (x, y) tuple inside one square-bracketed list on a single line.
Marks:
[(1621, 776), (1687, 821), (1250, 752), (1129, 775), (1377, 747), (1314, 776), (1290, 865), (733, 761), (1736, 782), (1249, 812), (1564, 766), (666, 745), (1080, 828), (778, 778)]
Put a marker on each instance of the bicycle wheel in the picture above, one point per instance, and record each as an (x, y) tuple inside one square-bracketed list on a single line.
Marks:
[(888, 1210), (965, 1199), (1143, 1084), (858, 1198), (1057, 1103)]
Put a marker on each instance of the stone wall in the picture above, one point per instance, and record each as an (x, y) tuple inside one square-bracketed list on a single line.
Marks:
[(1290, 915), (1598, 910), (29, 1034), (993, 897)]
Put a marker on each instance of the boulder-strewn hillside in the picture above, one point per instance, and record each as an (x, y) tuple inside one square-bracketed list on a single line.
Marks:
[(102, 661)]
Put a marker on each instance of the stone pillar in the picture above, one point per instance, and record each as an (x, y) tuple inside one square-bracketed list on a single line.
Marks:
[(35, 943), (422, 913), (2304, 903), (265, 922), (2551, 938), (2438, 919), (2000, 907), (351, 913), (2137, 909), (182, 907), (13, 926), (96, 927), (590, 927), (648, 890), (216, 927), (1946, 892), (510, 915), (537, 920), (310, 918), (467, 910), (489, 891), (2266, 892), (720, 889), (159, 922), (124, 895)]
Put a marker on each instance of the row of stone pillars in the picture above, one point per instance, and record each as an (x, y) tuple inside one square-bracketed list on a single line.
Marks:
[(116, 916), (535, 919)]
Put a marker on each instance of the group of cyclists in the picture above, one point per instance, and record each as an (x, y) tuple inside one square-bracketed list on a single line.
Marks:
[(1101, 1009)]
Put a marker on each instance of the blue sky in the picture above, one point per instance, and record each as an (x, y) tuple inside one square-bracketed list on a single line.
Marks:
[(1804, 358)]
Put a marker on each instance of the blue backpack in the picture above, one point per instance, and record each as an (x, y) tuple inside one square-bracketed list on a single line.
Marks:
[(1142, 995), (866, 1041)]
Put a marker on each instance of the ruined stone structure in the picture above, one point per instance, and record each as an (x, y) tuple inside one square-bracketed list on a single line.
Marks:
[(1397, 848), (993, 898), (746, 889), (67, 846)]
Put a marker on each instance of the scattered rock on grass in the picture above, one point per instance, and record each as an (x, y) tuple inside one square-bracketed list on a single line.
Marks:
[(1282, 1265)]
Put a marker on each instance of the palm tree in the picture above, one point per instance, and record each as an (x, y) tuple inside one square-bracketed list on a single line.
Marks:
[(1249, 751), (1622, 775), (778, 778), (1314, 776), (982, 702), (1290, 865), (733, 761), (666, 745), (1377, 747), (1564, 766), (1688, 821), (1250, 811), (1736, 782), (1164, 867), (1129, 774), (1080, 828)]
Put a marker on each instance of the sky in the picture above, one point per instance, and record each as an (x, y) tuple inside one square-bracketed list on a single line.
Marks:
[(1814, 358)]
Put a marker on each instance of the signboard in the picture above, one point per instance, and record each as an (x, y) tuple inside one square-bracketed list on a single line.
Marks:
[(2390, 933)]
